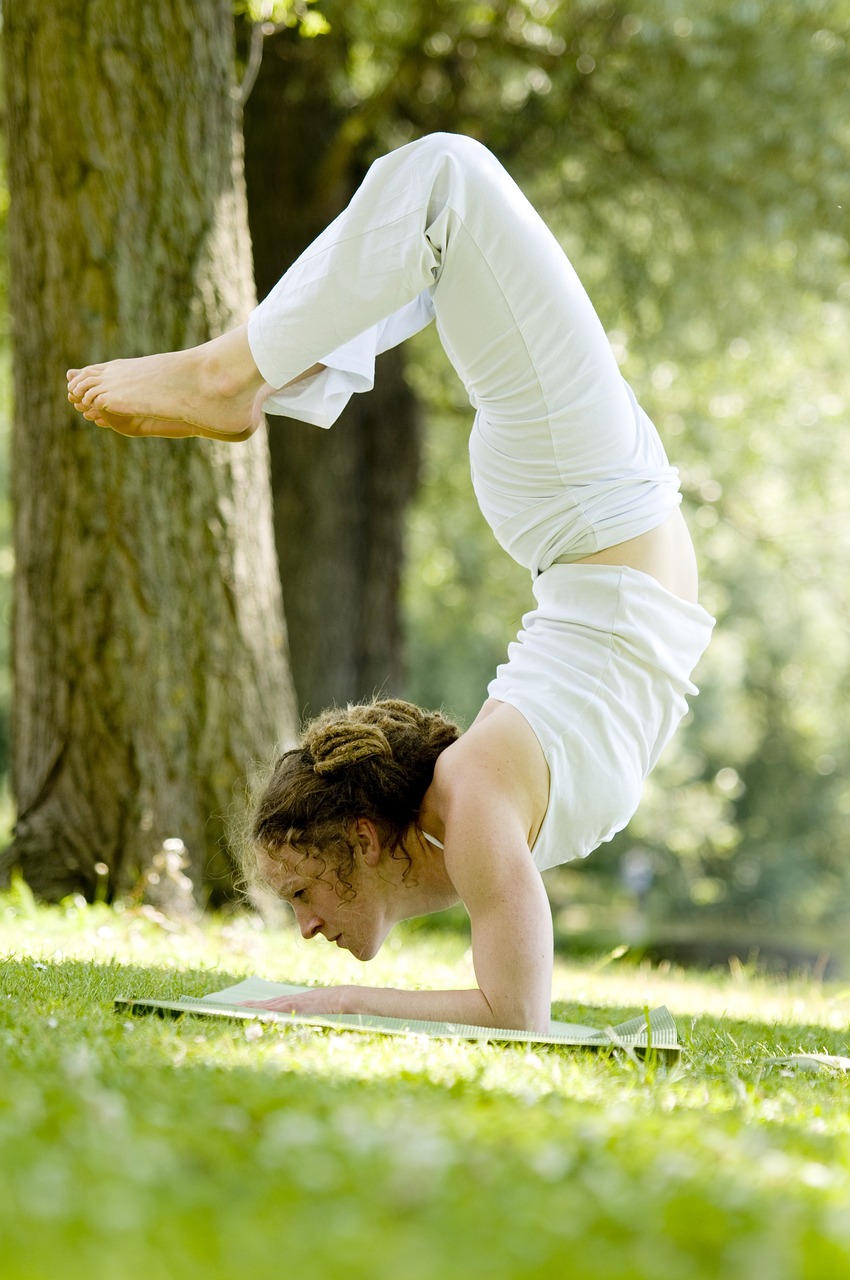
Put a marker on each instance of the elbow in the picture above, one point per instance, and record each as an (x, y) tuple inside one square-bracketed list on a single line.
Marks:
[(533, 1026), (538, 1026), (528, 1017)]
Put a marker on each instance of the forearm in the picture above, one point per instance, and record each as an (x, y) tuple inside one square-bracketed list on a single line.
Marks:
[(470, 1007)]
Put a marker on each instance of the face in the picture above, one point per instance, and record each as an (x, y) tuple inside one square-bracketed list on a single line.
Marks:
[(358, 924)]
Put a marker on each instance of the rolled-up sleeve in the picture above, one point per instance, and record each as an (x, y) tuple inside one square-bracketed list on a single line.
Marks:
[(347, 370)]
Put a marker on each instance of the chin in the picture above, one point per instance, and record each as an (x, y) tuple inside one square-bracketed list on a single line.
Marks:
[(365, 951)]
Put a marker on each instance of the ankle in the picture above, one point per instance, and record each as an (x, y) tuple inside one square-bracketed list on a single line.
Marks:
[(226, 367)]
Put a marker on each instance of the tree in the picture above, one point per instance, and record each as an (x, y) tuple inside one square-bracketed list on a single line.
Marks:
[(340, 497), (149, 641)]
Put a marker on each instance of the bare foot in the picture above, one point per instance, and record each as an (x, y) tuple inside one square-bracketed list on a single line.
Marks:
[(165, 428), (213, 390)]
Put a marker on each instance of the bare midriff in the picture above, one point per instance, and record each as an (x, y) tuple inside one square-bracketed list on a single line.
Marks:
[(666, 553)]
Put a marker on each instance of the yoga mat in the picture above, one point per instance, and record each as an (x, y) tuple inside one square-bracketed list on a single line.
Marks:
[(655, 1030)]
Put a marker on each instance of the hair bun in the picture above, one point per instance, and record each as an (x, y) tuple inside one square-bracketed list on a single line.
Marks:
[(339, 746)]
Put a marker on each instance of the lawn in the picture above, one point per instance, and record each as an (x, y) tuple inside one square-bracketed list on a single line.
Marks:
[(151, 1149)]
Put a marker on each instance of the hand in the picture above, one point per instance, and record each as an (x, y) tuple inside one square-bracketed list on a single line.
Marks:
[(316, 1000)]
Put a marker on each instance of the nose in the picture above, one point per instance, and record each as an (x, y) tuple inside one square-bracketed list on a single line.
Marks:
[(309, 923)]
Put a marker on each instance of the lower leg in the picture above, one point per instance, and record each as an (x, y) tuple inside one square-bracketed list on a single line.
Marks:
[(440, 212), (382, 251)]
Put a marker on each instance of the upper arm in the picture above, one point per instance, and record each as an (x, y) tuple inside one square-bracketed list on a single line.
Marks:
[(512, 941), (486, 804)]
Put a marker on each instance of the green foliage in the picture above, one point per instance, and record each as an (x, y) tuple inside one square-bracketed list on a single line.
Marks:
[(179, 1149), (296, 14), (463, 596)]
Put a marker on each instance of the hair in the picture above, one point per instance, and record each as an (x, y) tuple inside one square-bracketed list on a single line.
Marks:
[(367, 760)]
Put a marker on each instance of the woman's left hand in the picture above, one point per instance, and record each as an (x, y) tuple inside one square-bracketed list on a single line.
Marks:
[(316, 1000)]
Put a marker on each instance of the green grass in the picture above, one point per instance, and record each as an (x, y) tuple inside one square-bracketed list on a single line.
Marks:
[(149, 1149)]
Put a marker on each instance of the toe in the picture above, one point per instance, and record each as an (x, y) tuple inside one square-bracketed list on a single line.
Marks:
[(84, 378)]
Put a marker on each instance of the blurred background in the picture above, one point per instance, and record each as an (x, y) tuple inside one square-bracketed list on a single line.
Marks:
[(693, 160)]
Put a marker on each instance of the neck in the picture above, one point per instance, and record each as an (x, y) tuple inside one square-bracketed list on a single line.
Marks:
[(426, 887)]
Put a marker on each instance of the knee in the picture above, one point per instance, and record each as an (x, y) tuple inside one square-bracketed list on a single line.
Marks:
[(456, 145), (447, 153)]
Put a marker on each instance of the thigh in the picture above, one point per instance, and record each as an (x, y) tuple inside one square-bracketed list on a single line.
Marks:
[(512, 314)]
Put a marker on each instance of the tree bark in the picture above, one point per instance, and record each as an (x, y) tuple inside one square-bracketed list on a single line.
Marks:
[(340, 497), (149, 642)]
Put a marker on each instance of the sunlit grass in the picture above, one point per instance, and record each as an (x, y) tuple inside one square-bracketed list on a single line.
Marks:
[(155, 1148)]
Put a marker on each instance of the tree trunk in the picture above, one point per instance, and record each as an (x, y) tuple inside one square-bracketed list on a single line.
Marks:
[(149, 642), (340, 497)]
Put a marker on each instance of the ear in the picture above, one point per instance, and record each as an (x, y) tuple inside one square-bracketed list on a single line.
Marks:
[(369, 840)]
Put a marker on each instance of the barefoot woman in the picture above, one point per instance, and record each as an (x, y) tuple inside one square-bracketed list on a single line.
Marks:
[(385, 812)]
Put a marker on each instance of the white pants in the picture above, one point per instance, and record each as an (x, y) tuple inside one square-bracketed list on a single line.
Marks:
[(564, 461)]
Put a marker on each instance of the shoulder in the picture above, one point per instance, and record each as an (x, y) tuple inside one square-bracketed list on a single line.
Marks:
[(498, 761)]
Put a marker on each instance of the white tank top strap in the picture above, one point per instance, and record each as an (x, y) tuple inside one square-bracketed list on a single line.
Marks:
[(438, 844)]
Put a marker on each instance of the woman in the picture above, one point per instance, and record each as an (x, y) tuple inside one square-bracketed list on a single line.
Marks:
[(385, 812)]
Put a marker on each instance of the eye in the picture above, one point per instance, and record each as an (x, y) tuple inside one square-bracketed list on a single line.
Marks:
[(299, 894)]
